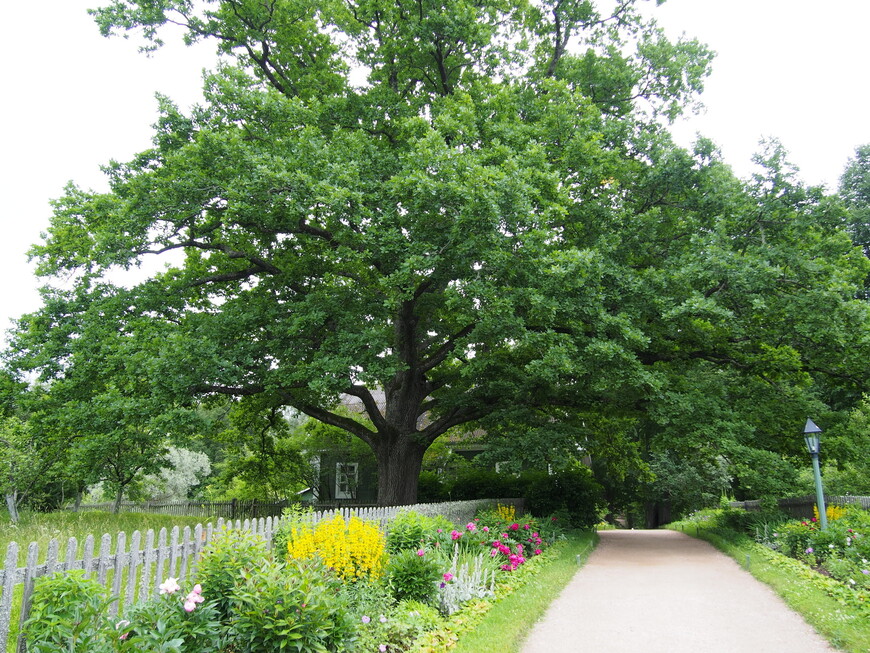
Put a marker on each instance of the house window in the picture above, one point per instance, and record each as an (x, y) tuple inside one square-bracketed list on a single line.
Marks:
[(346, 480)]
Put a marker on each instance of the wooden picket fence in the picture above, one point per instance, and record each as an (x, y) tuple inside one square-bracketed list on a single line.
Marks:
[(135, 573)]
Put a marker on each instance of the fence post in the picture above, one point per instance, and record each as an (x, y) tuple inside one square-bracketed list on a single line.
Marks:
[(6, 590)]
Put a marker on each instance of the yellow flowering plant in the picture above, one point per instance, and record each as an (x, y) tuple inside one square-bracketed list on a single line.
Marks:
[(354, 549)]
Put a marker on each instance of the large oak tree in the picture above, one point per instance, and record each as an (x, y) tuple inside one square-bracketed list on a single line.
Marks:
[(470, 206)]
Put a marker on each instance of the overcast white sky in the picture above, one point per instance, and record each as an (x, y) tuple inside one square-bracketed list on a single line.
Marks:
[(72, 100)]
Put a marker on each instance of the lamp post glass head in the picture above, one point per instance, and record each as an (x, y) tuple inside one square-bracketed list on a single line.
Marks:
[(811, 437)]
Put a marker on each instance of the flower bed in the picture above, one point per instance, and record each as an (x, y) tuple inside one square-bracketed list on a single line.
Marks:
[(337, 586)]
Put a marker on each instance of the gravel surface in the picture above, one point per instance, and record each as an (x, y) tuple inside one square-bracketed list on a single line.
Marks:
[(665, 592)]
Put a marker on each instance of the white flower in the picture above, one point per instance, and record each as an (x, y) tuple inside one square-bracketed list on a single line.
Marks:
[(170, 586)]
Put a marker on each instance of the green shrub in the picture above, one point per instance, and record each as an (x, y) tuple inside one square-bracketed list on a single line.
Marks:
[(573, 491), (226, 557), (476, 483), (173, 621), (396, 629), (414, 577), (68, 613), (296, 606), (409, 530), (431, 488)]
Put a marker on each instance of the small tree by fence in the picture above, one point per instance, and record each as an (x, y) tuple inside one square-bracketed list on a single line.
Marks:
[(802, 507), (135, 573)]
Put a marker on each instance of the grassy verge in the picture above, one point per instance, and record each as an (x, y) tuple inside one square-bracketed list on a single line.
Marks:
[(502, 625), (821, 601)]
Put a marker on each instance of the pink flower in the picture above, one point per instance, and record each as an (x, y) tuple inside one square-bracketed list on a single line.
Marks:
[(526, 526), (514, 527), (439, 530), (448, 577), (471, 527), (366, 619), (382, 648), (455, 535), (193, 598), (486, 529), (538, 552), (169, 586), (421, 552)]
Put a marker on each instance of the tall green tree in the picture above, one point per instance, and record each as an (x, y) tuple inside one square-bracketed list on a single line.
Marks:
[(404, 234)]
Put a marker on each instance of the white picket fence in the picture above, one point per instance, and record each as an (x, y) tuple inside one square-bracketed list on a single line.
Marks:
[(151, 559)]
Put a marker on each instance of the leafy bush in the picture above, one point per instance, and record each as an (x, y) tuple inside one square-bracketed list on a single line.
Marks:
[(573, 491), (68, 613), (414, 576), (354, 550), (476, 483), (396, 629), (173, 621), (431, 488), (409, 530), (467, 579), (223, 562), (295, 606)]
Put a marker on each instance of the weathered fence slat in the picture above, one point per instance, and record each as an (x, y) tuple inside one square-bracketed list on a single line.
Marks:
[(29, 578), (6, 589), (120, 560), (135, 559), (88, 557), (161, 559), (147, 561)]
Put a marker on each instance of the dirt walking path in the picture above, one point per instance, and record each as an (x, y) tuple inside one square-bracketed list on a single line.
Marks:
[(665, 592)]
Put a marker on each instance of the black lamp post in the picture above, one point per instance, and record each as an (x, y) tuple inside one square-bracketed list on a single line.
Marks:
[(811, 437)]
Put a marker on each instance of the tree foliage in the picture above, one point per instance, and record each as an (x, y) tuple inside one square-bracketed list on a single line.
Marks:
[(469, 206)]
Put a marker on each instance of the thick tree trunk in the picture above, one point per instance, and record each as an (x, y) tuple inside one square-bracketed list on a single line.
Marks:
[(399, 464), (120, 495)]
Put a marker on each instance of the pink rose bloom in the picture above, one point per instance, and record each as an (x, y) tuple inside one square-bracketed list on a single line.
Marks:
[(471, 527), (514, 527), (538, 552), (421, 552), (455, 535)]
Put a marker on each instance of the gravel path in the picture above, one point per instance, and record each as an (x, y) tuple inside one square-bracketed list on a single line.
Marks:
[(665, 592)]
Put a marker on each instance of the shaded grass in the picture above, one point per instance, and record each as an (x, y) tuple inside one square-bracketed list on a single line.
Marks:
[(844, 626), (505, 625)]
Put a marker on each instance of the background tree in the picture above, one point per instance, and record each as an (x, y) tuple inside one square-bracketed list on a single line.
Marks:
[(855, 191)]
